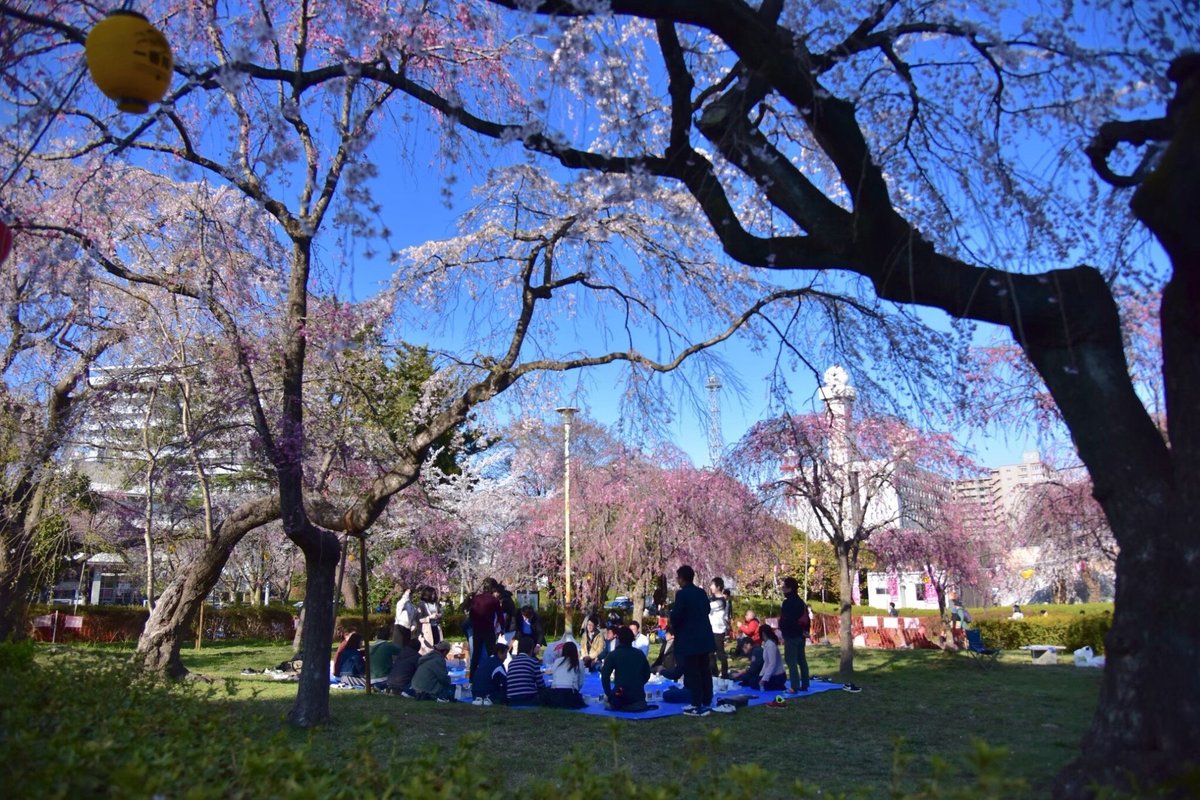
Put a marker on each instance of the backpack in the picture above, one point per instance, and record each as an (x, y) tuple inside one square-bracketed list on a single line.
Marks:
[(805, 621)]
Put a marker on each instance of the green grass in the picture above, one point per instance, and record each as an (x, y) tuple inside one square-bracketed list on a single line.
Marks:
[(935, 701), (838, 741)]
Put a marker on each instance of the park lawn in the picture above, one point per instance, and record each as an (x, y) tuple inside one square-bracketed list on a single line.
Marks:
[(838, 741)]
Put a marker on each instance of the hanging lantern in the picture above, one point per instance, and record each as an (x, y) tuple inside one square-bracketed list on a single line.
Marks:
[(1026, 574), (5, 241), (130, 60)]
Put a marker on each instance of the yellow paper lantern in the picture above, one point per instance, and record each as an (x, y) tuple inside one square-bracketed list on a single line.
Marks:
[(130, 60), (1026, 574)]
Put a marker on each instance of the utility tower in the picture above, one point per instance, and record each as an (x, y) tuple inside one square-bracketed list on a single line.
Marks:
[(715, 445)]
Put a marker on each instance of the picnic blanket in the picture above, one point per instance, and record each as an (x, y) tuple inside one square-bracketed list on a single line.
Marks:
[(593, 690), (593, 693)]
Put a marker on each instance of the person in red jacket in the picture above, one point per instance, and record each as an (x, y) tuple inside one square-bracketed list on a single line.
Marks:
[(749, 630), (484, 612)]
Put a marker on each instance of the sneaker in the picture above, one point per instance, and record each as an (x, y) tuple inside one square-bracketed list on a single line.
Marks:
[(689, 709), (698, 711), (478, 701), (409, 693), (724, 708), (850, 687), (442, 700), (487, 701)]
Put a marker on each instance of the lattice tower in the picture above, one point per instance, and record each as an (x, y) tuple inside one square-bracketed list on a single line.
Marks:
[(715, 445)]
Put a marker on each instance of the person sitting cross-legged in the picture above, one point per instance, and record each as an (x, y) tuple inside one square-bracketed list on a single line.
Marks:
[(666, 664), (624, 675), (566, 679), (773, 677), (524, 675), (640, 640), (383, 653), (489, 680), (749, 676), (431, 681)]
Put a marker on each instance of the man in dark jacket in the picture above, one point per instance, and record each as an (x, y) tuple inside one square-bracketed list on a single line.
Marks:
[(403, 668), (483, 611), (693, 640), (624, 674), (794, 626)]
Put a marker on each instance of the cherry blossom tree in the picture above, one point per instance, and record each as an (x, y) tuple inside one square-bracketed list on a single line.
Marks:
[(302, 98), (956, 549), (635, 516), (846, 484), (1067, 527), (938, 156), (60, 318)]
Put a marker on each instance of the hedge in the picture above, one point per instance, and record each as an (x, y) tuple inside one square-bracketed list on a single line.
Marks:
[(1069, 632), (125, 623)]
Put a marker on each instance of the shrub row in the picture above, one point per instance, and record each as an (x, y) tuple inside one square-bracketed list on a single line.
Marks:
[(1069, 632), (125, 623)]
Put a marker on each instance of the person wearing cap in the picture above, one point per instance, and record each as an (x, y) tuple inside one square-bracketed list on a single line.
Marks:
[(431, 681)]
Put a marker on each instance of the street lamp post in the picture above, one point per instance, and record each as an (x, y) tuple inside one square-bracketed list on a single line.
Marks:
[(567, 412)]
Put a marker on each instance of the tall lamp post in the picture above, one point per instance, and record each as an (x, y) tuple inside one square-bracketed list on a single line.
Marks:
[(567, 412)]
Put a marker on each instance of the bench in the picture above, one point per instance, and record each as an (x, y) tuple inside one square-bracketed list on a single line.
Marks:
[(1042, 653)]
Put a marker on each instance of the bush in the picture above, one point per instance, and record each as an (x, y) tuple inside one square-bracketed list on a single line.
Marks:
[(125, 623), (1065, 631), (271, 623), (1089, 631)]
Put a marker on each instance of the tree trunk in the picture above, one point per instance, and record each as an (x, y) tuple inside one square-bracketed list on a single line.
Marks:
[(312, 696), (171, 618), (298, 637), (14, 586), (846, 607), (1149, 709)]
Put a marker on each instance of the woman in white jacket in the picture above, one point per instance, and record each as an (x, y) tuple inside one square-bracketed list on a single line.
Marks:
[(406, 614), (566, 679)]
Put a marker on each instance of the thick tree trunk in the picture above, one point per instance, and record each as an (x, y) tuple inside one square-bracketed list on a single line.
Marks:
[(312, 697), (1149, 710), (171, 618), (846, 577)]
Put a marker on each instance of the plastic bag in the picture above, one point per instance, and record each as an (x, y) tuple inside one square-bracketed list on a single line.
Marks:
[(1083, 656)]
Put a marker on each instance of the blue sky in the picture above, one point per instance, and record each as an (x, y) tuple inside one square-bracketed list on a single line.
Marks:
[(415, 209)]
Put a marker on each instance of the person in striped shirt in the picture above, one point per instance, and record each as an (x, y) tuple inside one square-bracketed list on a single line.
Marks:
[(524, 675)]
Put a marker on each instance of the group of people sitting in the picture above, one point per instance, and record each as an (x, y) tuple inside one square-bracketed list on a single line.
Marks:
[(507, 665)]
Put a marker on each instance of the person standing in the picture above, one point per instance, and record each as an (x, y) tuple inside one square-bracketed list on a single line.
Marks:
[(484, 613), (693, 640), (429, 618), (718, 620), (794, 626), (406, 614)]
